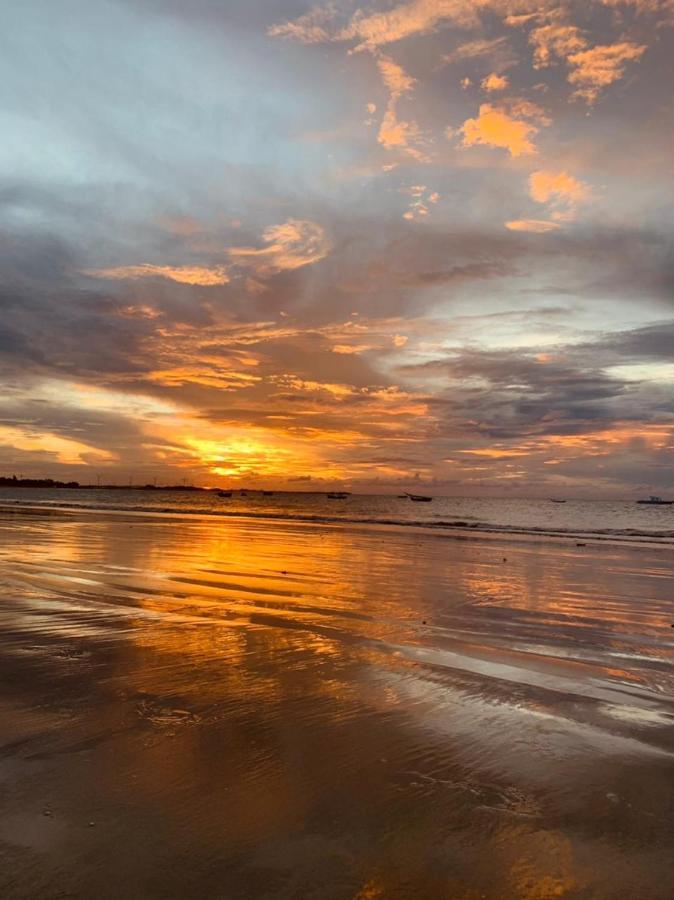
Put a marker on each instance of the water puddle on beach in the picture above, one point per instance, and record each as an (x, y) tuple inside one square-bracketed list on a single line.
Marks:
[(262, 709)]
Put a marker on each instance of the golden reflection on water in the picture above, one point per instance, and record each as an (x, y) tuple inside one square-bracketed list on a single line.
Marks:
[(299, 711)]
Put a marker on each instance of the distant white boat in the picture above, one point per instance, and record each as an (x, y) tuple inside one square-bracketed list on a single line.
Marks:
[(656, 501)]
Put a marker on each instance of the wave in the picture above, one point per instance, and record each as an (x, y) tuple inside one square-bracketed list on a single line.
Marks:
[(457, 526)]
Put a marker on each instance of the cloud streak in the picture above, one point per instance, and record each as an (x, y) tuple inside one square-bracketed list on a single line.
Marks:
[(289, 246), (195, 275)]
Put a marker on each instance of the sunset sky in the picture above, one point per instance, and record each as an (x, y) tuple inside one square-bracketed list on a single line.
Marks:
[(272, 243)]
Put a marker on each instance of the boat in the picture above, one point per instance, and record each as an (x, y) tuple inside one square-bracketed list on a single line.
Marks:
[(552, 500), (656, 501), (419, 498), (224, 493), (337, 495)]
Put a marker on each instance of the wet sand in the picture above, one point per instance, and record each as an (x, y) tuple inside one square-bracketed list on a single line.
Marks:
[(270, 710)]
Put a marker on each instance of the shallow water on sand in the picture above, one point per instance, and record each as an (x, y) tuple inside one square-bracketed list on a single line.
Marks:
[(263, 709)]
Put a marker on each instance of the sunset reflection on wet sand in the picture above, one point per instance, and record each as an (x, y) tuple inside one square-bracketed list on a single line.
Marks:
[(244, 709)]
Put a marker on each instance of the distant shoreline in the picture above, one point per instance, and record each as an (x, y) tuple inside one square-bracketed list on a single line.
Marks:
[(50, 484)]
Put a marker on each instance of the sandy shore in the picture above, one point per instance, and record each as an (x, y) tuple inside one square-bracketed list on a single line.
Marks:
[(226, 709)]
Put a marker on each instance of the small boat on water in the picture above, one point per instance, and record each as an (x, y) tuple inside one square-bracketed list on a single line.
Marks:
[(224, 493), (656, 501), (338, 495), (552, 500), (419, 498)]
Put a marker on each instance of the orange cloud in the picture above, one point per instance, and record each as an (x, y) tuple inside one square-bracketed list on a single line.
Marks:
[(536, 226), (395, 133), (394, 76), (495, 82), (562, 191), (516, 20), (546, 185), (496, 128), (309, 28), (407, 19), (290, 246), (199, 275), (372, 30), (376, 29), (209, 376), (598, 443), (351, 348), (555, 40), (495, 452), (601, 66)]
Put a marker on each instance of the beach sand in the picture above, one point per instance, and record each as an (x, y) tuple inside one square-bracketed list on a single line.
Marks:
[(233, 709)]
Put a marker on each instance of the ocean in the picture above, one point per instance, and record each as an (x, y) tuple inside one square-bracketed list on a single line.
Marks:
[(623, 520)]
